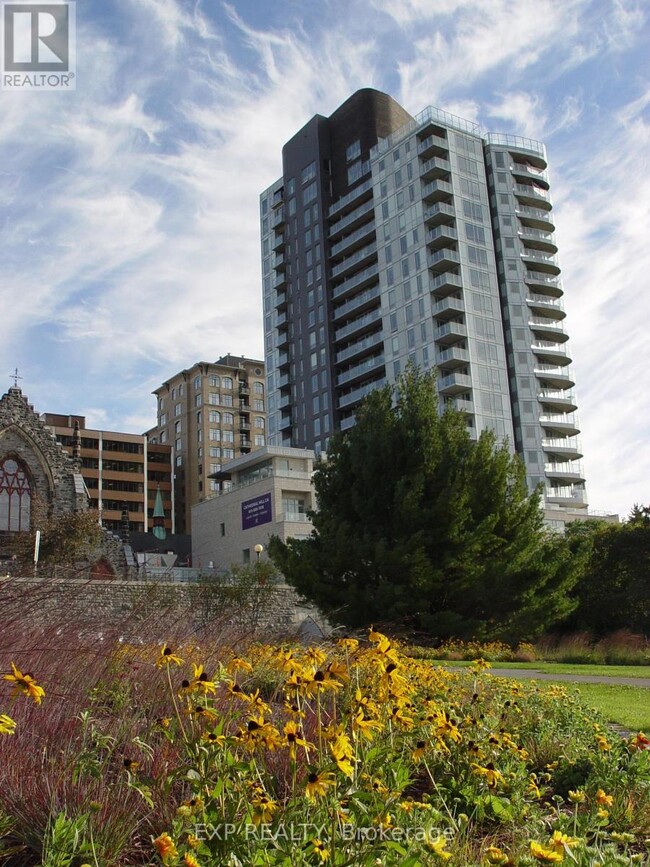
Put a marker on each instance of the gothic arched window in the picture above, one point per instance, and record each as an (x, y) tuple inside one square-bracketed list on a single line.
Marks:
[(15, 496)]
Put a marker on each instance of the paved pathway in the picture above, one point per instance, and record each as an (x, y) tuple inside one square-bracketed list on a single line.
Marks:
[(530, 673)]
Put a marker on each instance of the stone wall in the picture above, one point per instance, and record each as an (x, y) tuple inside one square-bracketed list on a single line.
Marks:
[(152, 609)]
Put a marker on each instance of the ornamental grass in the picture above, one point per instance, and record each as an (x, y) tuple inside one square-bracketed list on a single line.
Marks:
[(219, 749)]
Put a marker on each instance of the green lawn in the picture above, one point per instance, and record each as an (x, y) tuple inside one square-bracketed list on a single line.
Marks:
[(629, 706), (564, 668)]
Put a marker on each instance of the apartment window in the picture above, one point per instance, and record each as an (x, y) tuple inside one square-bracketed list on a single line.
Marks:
[(197, 383), (215, 452), (353, 151), (355, 171), (214, 468), (197, 400), (246, 555), (475, 233), (227, 418), (163, 436), (214, 417), (260, 422), (179, 460), (499, 160), (468, 167), (177, 427), (293, 506), (258, 405), (228, 454), (226, 382), (222, 529), (477, 256), (214, 398), (163, 419), (260, 440), (227, 436), (309, 172), (214, 434), (309, 193), (226, 399), (198, 417)]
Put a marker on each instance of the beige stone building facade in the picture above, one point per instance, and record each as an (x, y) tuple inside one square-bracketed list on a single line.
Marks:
[(264, 493), (211, 413)]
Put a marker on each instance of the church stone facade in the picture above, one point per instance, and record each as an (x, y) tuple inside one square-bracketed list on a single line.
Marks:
[(34, 467)]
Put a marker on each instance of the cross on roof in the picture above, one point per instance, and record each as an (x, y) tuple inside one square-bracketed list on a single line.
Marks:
[(15, 377)]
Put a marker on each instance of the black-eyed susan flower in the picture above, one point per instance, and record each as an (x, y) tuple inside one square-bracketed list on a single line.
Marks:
[(166, 848), (364, 726), (320, 849), (492, 777), (343, 753), (264, 809), (419, 751), (7, 725), (202, 681), (238, 664), (294, 738), (25, 683), (318, 783), (439, 847), (167, 657)]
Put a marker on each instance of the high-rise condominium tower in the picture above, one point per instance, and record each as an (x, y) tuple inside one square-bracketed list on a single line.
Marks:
[(392, 238)]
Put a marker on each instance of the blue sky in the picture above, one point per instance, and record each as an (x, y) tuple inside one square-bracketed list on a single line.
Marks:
[(128, 208)]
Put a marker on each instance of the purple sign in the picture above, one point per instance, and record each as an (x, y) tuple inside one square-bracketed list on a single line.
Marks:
[(256, 512)]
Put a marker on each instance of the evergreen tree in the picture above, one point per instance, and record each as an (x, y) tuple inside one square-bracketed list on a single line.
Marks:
[(417, 523)]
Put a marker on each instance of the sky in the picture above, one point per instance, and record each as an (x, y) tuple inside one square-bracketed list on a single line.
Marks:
[(129, 231)]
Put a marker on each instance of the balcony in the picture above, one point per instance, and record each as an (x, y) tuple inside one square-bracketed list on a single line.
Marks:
[(436, 167), (554, 376), (360, 370), (529, 194), (284, 381), (281, 299), (451, 332), (433, 144), (278, 241), (460, 404), (560, 423), (359, 393), (557, 399), (279, 262), (550, 307), (366, 299), (454, 383), (448, 308), (353, 219), (355, 259), (358, 325), (547, 328), (244, 425), (440, 236), (436, 191), (443, 260), (444, 284), (348, 202), (536, 218), (454, 357), (567, 496), (283, 359), (284, 401), (282, 337), (439, 213), (568, 447), (537, 240), (279, 281), (357, 281), (354, 239), (549, 353), (347, 422), (277, 218), (541, 261), (284, 423), (568, 471), (544, 283), (528, 172), (361, 346)]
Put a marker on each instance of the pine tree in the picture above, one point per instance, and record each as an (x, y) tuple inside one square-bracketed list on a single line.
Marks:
[(419, 525)]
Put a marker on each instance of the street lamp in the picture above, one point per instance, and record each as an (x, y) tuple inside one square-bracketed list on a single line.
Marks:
[(258, 550)]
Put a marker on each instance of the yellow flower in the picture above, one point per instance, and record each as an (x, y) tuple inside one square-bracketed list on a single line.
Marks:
[(495, 855), (348, 644), (577, 797), (604, 800), (165, 848), (561, 842), (190, 861), (25, 683), (294, 738), (492, 776), (318, 782), (319, 848), (7, 725), (603, 744), (640, 742), (264, 809), (438, 847), (546, 856), (364, 726), (343, 754), (238, 664), (167, 657), (419, 751)]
